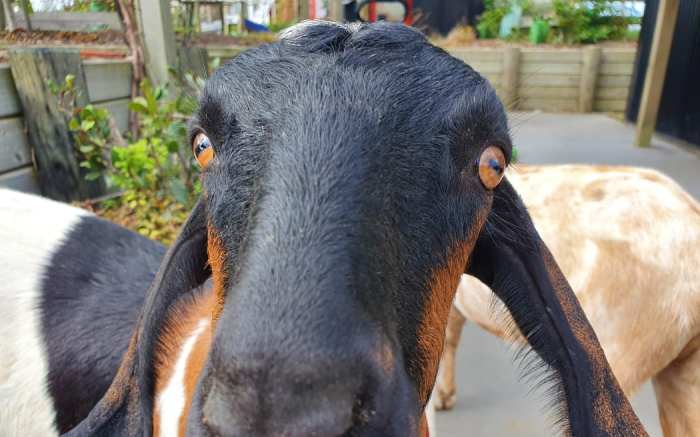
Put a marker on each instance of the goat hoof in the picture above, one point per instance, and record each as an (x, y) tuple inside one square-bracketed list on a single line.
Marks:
[(445, 400)]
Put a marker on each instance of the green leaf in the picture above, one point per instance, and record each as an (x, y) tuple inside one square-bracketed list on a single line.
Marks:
[(86, 149), (74, 124), (140, 105), (86, 125), (70, 81), (92, 176), (85, 164)]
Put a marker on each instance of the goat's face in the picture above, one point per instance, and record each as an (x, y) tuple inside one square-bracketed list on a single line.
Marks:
[(342, 202), (351, 175)]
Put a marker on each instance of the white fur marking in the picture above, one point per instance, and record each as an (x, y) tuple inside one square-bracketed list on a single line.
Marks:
[(171, 401), (31, 230)]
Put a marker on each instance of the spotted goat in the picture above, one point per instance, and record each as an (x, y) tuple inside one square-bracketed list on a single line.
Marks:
[(351, 174), (627, 240)]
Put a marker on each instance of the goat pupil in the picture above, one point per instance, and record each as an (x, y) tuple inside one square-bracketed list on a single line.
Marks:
[(204, 144), (495, 165)]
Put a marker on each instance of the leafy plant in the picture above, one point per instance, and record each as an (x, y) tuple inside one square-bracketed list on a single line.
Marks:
[(588, 21), (490, 20), (155, 173)]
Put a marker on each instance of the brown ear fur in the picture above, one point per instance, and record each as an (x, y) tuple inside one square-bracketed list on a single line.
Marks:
[(127, 407)]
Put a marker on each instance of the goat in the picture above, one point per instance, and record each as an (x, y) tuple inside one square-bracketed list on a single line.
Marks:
[(349, 174), (627, 239)]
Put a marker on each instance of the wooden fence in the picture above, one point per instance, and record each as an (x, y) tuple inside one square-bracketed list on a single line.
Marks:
[(569, 80), (108, 85)]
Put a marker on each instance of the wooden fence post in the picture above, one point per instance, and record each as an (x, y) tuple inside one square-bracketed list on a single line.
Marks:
[(335, 10), (156, 24), (589, 78), (60, 176), (8, 16), (656, 71), (509, 79), (194, 60), (303, 10), (2, 17)]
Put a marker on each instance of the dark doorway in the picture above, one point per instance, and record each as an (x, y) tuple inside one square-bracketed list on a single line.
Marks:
[(679, 112), (441, 16)]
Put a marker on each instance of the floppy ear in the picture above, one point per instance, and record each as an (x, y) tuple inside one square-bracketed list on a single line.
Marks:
[(126, 408), (511, 258)]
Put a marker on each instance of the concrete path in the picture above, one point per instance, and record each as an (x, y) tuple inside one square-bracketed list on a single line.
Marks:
[(492, 400)]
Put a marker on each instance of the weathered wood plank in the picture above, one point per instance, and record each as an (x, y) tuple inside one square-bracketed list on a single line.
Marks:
[(192, 60), (119, 110), (589, 78), (550, 92), (610, 105), (487, 67), (156, 23), (619, 56), (224, 52), (71, 21), (9, 101), (607, 81), (14, 147), (548, 105), (616, 69), (22, 179), (655, 76), (531, 56), (548, 68), (612, 93), (477, 55), (59, 175), (549, 80), (494, 79), (107, 80), (509, 81)]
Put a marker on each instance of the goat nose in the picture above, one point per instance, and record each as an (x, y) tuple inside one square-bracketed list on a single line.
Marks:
[(260, 403)]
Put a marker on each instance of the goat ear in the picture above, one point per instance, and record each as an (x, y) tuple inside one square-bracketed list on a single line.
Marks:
[(511, 258), (127, 407)]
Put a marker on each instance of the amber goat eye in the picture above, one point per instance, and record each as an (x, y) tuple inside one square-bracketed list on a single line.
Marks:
[(492, 166), (202, 149)]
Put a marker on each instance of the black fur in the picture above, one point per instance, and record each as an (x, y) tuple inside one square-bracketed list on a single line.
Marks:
[(344, 177), (92, 294)]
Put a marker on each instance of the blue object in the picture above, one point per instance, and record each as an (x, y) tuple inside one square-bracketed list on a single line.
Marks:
[(255, 27), (510, 21)]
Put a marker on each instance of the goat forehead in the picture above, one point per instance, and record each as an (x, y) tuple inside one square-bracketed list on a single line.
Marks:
[(410, 82)]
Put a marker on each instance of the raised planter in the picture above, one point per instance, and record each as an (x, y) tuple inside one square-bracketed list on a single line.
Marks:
[(579, 79)]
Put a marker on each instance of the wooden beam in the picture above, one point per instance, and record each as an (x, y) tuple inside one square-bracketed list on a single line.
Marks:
[(58, 170), (2, 17), (335, 10), (193, 60), (8, 16), (303, 13), (589, 78), (511, 73), (156, 23), (656, 71)]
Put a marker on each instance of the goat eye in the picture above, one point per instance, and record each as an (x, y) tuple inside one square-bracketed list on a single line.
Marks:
[(202, 149), (492, 166)]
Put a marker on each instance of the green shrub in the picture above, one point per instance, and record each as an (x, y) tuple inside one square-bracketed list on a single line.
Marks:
[(588, 21), (489, 22), (155, 174)]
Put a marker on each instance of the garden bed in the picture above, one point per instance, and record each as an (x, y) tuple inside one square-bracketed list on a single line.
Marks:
[(107, 44)]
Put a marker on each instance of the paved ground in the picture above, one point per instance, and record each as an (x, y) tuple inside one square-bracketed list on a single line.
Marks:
[(493, 402)]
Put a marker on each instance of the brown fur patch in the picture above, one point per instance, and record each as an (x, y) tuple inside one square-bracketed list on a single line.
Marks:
[(423, 426), (217, 261), (607, 413), (182, 321), (442, 289)]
